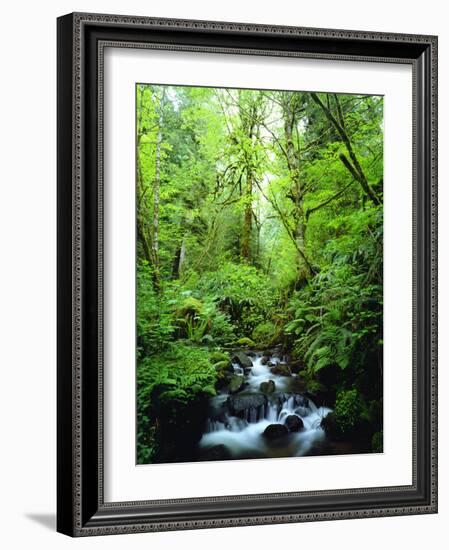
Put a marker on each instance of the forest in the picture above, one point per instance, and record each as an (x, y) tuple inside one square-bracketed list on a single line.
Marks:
[(259, 273)]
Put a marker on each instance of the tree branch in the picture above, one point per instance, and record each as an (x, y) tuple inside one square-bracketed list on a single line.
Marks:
[(327, 201), (355, 169)]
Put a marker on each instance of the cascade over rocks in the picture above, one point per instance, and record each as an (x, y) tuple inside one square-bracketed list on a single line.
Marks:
[(261, 411)]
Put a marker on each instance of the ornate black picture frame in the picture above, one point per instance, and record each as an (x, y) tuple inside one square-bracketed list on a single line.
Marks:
[(81, 509)]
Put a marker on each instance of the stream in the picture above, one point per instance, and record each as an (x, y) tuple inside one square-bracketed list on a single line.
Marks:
[(261, 412)]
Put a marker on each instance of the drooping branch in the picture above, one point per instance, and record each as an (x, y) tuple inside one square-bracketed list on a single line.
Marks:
[(355, 168), (288, 228), (328, 201)]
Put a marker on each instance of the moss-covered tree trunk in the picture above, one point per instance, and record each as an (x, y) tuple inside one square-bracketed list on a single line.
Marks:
[(156, 194), (296, 195), (247, 218)]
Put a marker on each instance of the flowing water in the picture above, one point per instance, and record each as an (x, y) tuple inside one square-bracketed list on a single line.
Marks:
[(237, 422)]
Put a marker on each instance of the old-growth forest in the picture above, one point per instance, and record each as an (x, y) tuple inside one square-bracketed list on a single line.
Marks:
[(259, 273)]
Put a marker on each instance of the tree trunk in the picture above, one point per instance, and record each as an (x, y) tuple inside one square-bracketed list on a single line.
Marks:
[(179, 259), (156, 194), (247, 218), (142, 226), (295, 194)]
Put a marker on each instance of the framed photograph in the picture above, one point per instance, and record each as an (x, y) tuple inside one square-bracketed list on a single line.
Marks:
[(247, 310)]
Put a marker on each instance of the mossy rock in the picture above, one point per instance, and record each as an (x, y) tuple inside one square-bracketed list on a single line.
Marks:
[(267, 387), (281, 370), (190, 307), (222, 368), (236, 383), (246, 342), (242, 359), (218, 356)]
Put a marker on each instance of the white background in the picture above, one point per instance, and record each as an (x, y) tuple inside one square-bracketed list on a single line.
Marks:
[(27, 232), (123, 480)]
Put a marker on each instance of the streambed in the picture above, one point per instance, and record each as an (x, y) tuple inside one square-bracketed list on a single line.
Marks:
[(263, 411)]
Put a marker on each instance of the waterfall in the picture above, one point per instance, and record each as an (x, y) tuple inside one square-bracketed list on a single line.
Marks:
[(242, 431)]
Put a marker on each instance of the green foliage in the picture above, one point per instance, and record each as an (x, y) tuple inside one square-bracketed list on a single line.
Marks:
[(182, 368), (242, 292), (217, 356), (265, 334), (245, 341), (203, 322), (180, 375), (336, 320), (154, 319), (348, 408), (190, 307), (252, 231), (222, 368)]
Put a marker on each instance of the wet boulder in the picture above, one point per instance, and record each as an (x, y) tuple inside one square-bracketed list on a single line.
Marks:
[(264, 360), (242, 359), (268, 387), (281, 370), (224, 371), (236, 383), (275, 431), (242, 402), (294, 423)]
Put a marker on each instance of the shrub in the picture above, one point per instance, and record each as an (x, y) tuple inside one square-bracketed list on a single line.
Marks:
[(217, 356), (335, 321), (266, 333), (171, 381), (154, 318), (200, 321), (242, 292), (348, 409), (246, 342)]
